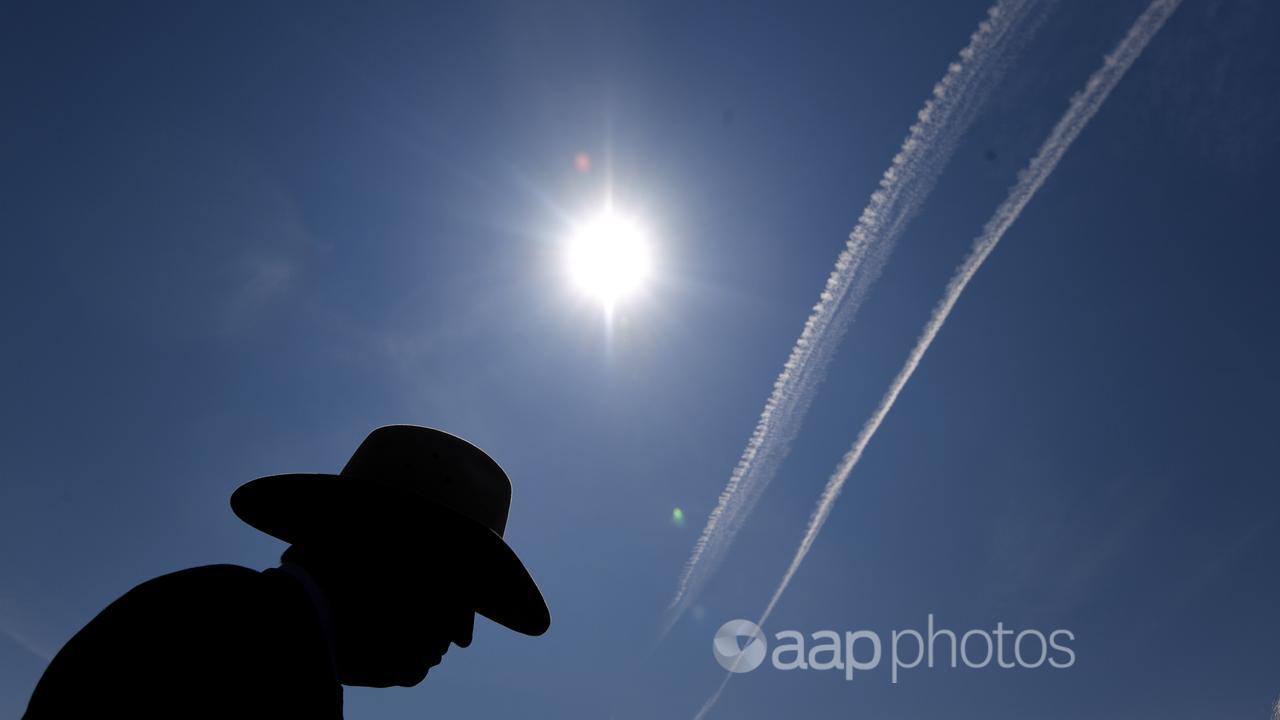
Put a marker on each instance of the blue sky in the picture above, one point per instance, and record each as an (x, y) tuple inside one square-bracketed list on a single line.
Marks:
[(237, 238)]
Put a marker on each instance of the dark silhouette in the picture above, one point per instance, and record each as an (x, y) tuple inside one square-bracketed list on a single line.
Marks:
[(388, 564)]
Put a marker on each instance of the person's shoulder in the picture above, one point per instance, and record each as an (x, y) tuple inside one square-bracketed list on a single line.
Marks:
[(222, 572), (199, 578), (161, 604), (216, 587), (161, 630)]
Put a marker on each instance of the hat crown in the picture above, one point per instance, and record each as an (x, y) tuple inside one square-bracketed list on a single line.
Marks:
[(437, 467)]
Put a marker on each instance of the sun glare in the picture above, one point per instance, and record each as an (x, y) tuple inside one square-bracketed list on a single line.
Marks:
[(609, 258)]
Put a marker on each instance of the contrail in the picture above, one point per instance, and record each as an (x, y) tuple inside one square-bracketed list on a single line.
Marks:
[(930, 142), (21, 639), (1083, 106)]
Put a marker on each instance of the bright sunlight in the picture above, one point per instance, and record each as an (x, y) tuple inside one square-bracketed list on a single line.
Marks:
[(609, 257)]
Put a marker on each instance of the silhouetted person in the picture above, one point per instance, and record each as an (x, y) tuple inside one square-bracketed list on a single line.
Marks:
[(388, 564)]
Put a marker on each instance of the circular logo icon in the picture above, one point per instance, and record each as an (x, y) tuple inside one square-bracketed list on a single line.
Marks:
[(739, 646)]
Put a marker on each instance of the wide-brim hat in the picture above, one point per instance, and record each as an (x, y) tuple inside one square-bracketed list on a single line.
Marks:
[(411, 484)]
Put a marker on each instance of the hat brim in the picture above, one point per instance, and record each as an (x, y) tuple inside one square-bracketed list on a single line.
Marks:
[(298, 507)]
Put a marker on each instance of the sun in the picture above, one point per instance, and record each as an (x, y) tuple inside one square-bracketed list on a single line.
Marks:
[(609, 257)]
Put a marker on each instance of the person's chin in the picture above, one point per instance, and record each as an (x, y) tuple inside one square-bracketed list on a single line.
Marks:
[(418, 674), (406, 678)]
